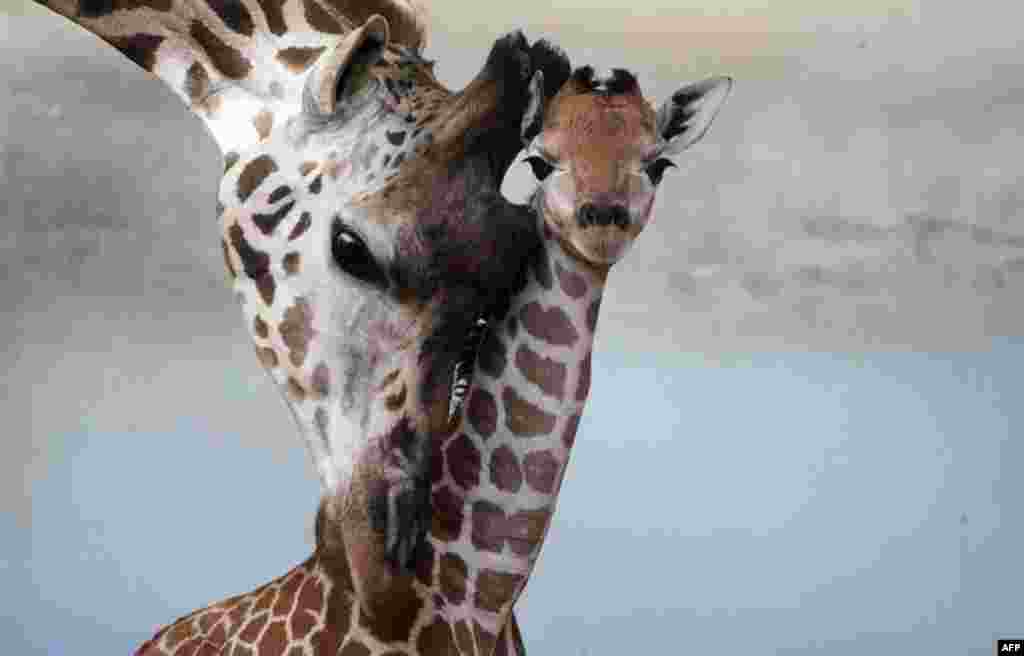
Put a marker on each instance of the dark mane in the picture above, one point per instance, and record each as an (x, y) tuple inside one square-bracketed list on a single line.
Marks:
[(619, 82)]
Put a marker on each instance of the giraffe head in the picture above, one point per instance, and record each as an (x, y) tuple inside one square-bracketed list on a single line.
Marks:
[(599, 151), (365, 235)]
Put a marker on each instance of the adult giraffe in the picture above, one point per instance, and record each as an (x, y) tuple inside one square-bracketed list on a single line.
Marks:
[(364, 231)]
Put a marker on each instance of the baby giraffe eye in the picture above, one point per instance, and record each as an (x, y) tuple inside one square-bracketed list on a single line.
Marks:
[(351, 254), (541, 167), (656, 169)]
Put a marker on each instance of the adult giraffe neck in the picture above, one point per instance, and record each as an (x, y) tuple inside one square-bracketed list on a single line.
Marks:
[(496, 480)]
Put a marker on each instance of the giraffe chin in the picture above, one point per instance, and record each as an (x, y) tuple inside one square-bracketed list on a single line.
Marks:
[(602, 245)]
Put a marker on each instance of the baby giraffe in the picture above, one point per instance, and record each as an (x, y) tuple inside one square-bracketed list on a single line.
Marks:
[(599, 151)]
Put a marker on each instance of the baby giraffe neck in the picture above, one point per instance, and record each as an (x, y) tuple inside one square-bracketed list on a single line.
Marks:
[(497, 480)]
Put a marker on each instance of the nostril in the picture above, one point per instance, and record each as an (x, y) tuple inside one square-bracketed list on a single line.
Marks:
[(587, 214), (620, 216)]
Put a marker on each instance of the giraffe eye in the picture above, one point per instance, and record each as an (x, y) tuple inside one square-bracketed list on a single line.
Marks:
[(656, 169), (353, 257), (541, 167)]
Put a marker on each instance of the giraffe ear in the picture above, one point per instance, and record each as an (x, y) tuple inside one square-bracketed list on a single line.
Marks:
[(685, 117), (343, 71), (533, 117)]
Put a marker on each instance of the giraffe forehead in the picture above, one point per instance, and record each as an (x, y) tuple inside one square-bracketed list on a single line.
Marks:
[(595, 126)]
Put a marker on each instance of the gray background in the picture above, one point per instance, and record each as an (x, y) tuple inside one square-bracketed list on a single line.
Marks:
[(804, 431)]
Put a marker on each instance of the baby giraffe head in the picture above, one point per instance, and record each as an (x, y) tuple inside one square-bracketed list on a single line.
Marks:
[(600, 150)]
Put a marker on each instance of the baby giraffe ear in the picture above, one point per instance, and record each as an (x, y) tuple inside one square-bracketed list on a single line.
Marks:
[(685, 117), (533, 117), (343, 71)]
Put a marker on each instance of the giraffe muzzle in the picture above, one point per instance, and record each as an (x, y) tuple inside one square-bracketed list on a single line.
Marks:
[(593, 214)]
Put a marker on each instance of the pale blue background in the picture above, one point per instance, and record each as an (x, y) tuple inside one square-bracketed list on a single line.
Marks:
[(803, 502)]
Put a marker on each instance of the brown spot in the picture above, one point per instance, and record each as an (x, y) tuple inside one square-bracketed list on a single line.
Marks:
[(572, 283), (542, 269), (264, 123), (267, 223), (464, 461), (447, 516), (274, 641), (225, 59), (306, 168), (552, 325), (230, 160), (265, 286), (505, 472), (495, 589), (266, 356), (435, 638), (252, 628), (545, 373), (272, 11), (541, 469), (265, 599), (454, 573), (311, 597), (482, 412), (296, 330), (491, 358), (302, 622), (254, 173), (234, 14), (321, 381), (297, 60), (259, 326), (592, 313), (489, 525), (391, 619), (178, 633), (295, 391), (96, 8), (394, 402), (279, 194), (197, 83), (319, 19), (303, 224), (255, 263), (525, 530), (227, 259), (291, 263), (524, 418), (484, 639), (354, 648), (316, 185), (140, 48), (569, 432), (583, 382)]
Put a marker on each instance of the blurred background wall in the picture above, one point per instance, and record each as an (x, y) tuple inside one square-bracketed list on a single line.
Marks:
[(805, 384)]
